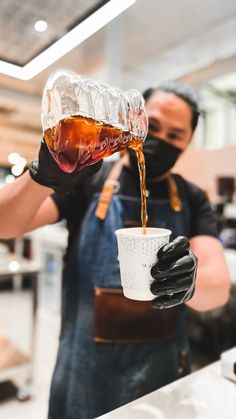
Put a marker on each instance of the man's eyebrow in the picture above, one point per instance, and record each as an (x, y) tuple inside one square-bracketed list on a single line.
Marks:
[(179, 130), (175, 129), (155, 120)]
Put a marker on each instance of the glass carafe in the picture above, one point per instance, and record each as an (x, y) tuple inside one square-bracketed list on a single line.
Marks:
[(84, 121)]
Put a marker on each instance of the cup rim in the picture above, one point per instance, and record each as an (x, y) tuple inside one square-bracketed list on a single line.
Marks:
[(154, 232)]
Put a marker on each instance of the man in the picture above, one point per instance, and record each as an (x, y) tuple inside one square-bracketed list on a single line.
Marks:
[(113, 350)]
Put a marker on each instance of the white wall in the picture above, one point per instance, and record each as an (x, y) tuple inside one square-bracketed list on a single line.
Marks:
[(204, 166)]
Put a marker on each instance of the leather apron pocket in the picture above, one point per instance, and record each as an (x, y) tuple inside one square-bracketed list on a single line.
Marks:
[(118, 319)]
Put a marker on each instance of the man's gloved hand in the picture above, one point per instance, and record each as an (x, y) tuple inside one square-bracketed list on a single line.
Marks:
[(174, 274), (46, 172)]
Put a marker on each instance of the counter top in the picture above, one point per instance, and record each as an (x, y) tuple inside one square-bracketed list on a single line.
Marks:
[(204, 394)]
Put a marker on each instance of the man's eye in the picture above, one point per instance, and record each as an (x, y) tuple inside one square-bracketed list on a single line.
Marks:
[(173, 135)]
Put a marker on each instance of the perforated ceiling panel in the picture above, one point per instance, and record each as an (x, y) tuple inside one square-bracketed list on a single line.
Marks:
[(19, 42)]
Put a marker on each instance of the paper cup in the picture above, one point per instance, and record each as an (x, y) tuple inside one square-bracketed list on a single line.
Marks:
[(137, 253)]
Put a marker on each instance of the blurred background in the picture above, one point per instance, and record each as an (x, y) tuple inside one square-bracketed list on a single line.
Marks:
[(149, 42)]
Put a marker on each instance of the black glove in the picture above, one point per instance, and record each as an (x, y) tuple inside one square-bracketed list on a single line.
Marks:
[(174, 274), (46, 172)]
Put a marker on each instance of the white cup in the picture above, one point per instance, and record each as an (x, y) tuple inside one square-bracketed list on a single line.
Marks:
[(137, 253)]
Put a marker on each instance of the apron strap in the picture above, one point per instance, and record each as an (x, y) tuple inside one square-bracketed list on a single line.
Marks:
[(174, 197), (110, 186), (175, 200)]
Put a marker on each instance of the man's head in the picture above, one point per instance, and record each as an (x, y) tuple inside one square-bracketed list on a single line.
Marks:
[(173, 112)]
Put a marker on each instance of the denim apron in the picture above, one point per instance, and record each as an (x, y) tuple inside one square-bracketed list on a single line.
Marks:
[(93, 378)]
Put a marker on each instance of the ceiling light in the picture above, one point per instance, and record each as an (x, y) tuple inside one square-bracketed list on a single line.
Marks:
[(9, 178), (14, 266), (13, 158), (65, 44), (22, 161), (40, 26), (17, 169)]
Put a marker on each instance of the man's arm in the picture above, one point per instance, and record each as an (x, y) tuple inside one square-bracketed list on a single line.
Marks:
[(212, 281), (197, 276), (25, 205)]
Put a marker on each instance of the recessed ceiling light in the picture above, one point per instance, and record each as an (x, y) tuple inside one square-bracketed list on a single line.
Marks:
[(14, 266), (40, 26), (65, 44), (13, 158), (9, 178), (17, 169)]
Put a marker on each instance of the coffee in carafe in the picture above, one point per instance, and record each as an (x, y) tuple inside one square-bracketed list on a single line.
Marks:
[(77, 141)]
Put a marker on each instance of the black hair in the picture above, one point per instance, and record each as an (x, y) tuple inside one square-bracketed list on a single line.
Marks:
[(183, 91)]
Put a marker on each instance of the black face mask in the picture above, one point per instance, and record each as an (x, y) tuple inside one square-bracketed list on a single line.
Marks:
[(160, 157)]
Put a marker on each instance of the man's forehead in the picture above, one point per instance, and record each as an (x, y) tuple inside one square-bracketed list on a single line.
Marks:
[(168, 104), (160, 98)]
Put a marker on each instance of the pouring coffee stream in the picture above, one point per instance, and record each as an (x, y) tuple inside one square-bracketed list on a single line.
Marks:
[(142, 177)]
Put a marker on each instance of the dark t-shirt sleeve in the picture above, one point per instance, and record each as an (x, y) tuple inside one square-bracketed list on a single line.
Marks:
[(72, 207), (62, 203), (203, 219)]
